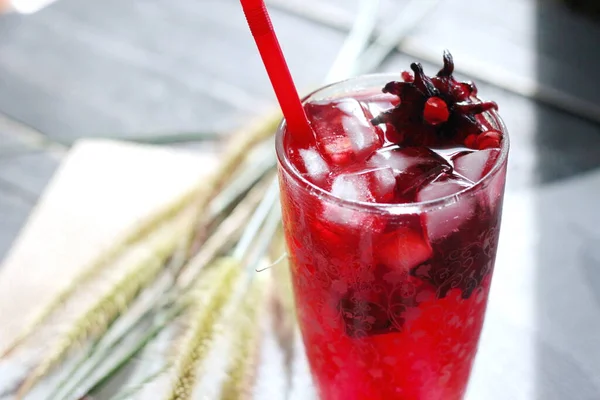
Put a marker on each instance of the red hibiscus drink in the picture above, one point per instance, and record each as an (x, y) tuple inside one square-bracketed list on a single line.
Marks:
[(391, 215)]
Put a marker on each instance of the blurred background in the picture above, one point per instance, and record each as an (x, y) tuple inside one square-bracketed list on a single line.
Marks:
[(184, 73)]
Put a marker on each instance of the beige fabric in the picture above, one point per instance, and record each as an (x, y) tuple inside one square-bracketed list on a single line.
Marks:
[(101, 190)]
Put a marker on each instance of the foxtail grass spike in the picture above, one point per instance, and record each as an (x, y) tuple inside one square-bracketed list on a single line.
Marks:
[(221, 239), (97, 382), (91, 271), (245, 350), (203, 316), (236, 151), (142, 268)]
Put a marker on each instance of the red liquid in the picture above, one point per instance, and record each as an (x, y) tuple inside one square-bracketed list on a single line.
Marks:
[(390, 305)]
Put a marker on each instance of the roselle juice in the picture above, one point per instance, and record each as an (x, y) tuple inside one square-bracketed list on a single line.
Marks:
[(391, 214)]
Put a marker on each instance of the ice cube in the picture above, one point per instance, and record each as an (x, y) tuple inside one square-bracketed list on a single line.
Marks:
[(474, 165), (366, 185), (412, 167), (449, 153), (362, 137), (316, 168), (403, 248), (351, 187), (337, 149), (405, 160), (441, 222), (378, 102), (362, 183), (383, 184), (343, 130), (347, 187)]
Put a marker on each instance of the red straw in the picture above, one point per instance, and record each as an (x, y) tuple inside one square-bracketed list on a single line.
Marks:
[(277, 69)]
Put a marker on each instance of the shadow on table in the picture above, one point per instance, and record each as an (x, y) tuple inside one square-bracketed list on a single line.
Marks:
[(566, 146)]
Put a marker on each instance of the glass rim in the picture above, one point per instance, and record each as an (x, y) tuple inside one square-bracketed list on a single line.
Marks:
[(401, 208)]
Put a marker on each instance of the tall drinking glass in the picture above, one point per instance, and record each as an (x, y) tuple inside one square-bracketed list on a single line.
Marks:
[(390, 296)]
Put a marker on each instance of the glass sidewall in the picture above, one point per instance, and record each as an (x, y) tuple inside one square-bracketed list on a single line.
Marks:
[(362, 308)]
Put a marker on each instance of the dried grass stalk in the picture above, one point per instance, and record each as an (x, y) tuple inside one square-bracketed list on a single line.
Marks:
[(225, 234), (141, 264), (281, 302), (220, 240), (240, 144), (236, 150), (91, 271)]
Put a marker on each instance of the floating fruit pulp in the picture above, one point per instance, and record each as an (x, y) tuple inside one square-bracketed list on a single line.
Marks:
[(390, 304)]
